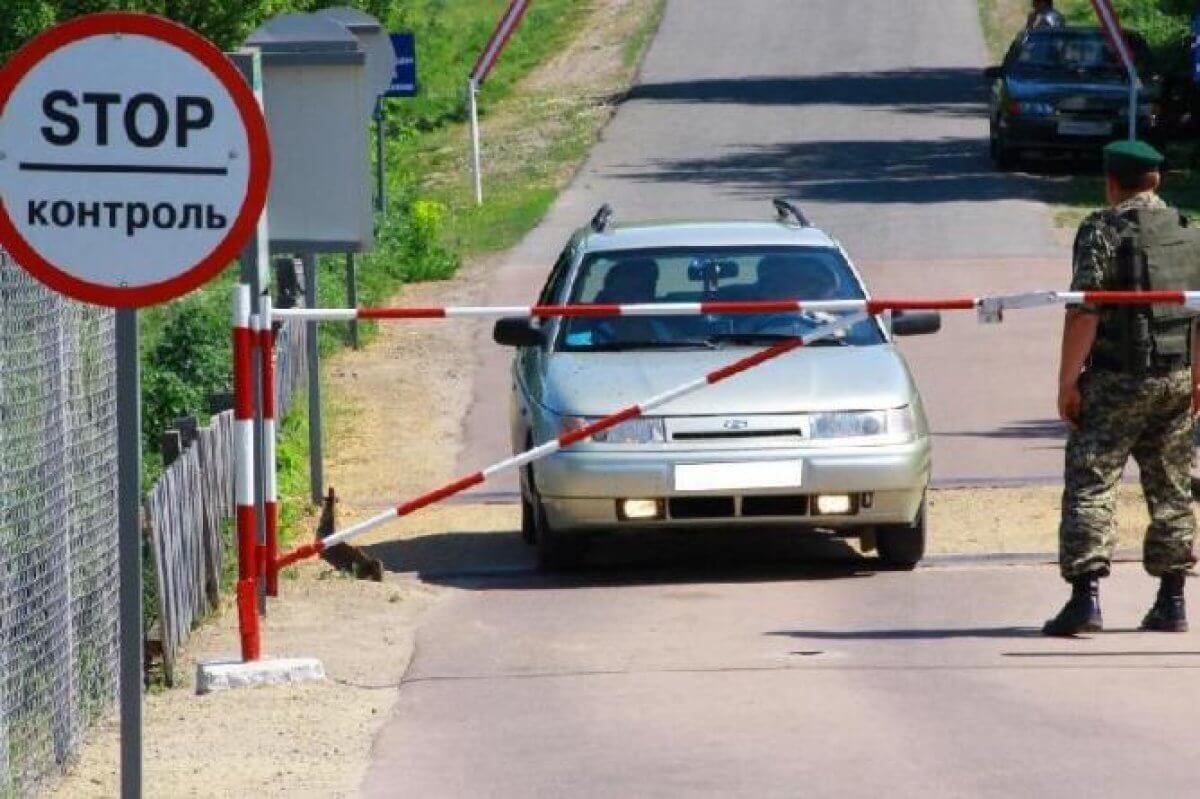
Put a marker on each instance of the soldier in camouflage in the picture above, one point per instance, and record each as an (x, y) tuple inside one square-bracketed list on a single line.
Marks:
[(1127, 386)]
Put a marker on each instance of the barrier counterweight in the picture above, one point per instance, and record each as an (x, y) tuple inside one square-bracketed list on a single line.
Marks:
[(568, 439), (243, 414)]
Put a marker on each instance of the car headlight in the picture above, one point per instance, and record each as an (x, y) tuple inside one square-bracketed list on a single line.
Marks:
[(643, 430), (897, 425)]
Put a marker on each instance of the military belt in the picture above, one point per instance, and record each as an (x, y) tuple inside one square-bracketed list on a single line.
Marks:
[(1159, 365)]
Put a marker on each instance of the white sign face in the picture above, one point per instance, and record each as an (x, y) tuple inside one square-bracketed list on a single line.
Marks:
[(133, 159)]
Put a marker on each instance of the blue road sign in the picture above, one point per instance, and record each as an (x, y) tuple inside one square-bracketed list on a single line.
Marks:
[(404, 79)]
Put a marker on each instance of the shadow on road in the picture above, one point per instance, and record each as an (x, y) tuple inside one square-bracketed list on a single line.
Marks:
[(484, 560), (872, 172), (941, 91), (1028, 428), (933, 634)]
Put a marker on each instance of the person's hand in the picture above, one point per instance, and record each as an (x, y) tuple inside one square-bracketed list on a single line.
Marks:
[(1070, 401)]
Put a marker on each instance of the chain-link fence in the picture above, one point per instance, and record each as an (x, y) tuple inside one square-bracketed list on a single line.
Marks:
[(58, 527)]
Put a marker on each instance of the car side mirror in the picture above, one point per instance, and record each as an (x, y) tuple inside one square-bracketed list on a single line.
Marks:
[(517, 331), (994, 73), (915, 323)]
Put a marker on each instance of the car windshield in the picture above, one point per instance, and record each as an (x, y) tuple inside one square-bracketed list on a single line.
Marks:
[(710, 275), (1068, 52)]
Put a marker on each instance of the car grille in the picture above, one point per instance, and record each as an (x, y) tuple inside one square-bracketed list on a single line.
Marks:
[(726, 435), (725, 507)]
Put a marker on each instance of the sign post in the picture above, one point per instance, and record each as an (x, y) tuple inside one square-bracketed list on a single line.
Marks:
[(1116, 37), (134, 165), (479, 73)]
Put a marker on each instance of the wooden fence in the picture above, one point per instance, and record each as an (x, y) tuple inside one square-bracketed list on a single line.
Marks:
[(191, 504)]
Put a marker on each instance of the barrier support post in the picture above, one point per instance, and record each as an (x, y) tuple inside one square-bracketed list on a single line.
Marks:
[(266, 351), (247, 532)]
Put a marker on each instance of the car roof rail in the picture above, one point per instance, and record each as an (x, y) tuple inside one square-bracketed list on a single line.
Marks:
[(790, 209), (602, 218)]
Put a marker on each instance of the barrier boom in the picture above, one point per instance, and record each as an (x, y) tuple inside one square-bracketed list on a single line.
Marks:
[(872, 306), (568, 439)]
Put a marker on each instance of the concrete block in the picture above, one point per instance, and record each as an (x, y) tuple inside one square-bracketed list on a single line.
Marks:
[(221, 675)]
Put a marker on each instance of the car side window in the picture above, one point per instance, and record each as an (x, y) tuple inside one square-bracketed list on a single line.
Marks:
[(558, 275)]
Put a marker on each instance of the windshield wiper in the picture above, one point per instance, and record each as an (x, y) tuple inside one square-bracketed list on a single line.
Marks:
[(767, 338), (622, 346)]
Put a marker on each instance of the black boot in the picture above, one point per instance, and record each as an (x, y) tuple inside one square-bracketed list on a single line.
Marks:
[(1081, 614), (1169, 614)]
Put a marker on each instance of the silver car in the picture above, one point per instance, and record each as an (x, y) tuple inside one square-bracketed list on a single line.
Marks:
[(829, 438)]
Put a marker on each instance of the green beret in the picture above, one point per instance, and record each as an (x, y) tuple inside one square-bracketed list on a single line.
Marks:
[(1131, 158)]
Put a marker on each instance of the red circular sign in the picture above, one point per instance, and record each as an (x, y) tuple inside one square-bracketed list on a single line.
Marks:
[(209, 255)]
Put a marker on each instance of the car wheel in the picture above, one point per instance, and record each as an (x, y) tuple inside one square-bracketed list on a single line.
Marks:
[(528, 521), (556, 550), (902, 545), (528, 500), (1002, 155)]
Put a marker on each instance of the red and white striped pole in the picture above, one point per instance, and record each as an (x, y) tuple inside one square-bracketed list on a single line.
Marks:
[(1034, 299), (573, 437), (266, 352), (243, 432)]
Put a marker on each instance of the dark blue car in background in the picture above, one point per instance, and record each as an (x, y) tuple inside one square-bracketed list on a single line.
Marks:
[(1064, 90)]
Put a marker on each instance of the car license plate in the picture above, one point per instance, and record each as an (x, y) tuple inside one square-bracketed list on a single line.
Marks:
[(737, 476), (1079, 127)]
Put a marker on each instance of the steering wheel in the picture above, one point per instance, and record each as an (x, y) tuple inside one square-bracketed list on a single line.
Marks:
[(765, 322), (605, 331)]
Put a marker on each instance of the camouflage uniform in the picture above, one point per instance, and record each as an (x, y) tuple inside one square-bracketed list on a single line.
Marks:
[(1147, 416)]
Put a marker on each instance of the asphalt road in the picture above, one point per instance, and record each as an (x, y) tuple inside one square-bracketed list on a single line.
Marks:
[(826, 682), (829, 679), (872, 114)]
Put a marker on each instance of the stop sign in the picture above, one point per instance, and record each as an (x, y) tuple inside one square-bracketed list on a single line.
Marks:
[(134, 160)]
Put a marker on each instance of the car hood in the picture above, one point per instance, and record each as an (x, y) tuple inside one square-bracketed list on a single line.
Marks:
[(817, 379), (1115, 88)]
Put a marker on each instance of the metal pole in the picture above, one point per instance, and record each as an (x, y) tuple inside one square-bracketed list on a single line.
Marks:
[(476, 158), (255, 263), (352, 296), (1134, 84), (129, 477), (315, 472), (380, 187)]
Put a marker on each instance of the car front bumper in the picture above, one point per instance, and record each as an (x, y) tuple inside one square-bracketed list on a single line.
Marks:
[(1042, 133), (580, 489)]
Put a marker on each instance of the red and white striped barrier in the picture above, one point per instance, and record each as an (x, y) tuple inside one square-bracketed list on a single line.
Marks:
[(243, 414), (568, 439), (266, 352), (988, 307), (499, 40)]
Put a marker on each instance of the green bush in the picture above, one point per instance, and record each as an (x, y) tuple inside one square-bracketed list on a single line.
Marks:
[(187, 363)]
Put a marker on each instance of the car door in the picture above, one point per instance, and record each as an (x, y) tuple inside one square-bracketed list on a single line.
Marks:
[(530, 362)]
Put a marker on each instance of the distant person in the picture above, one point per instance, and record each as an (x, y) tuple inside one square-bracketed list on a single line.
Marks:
[(1045, 15), (1129, 384)]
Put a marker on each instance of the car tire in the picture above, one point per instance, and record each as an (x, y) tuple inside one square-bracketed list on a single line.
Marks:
[(1004, 157), (528, 500), (902, 546), (556, 551), (528, 522)]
